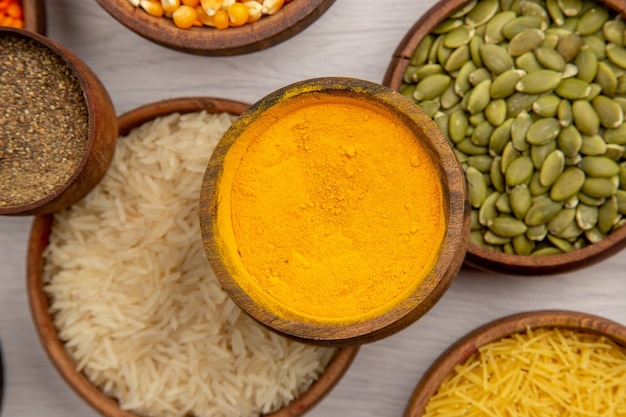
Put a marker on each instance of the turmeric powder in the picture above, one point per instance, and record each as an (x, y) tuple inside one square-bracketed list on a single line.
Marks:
[(330, 209)]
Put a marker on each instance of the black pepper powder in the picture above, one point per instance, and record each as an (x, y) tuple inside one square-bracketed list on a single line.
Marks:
[(44, 123)]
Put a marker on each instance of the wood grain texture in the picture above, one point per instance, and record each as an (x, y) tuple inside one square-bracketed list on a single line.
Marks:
[(35, 16), (290, 20)]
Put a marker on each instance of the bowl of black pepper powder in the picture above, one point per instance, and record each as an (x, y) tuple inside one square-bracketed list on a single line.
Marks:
[(57, 125)]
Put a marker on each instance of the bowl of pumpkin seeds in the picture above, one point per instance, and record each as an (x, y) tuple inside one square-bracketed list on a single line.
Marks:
[(531, 94)]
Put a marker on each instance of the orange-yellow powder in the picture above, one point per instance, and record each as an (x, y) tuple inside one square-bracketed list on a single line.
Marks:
[(335, 210)]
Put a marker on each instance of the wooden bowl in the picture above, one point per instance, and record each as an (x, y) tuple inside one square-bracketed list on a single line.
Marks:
[(290, 20), (35, 16), (477, 256), (469, 344), (100, 143), (39, 302), (363, 327)]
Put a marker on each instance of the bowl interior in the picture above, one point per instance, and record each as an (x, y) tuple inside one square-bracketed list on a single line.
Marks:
[(477, 256), (290, 20), (367, 328), (469, 344), (39, 302)]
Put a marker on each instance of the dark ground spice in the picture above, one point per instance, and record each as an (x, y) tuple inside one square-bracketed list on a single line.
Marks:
[(44, 122)]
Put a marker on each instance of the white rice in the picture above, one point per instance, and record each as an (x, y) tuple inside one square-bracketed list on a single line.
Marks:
[(136, 302)]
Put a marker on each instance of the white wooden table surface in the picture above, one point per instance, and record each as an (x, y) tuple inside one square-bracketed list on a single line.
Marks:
[(354, 38)]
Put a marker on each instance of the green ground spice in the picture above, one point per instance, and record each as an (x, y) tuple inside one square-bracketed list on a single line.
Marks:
[(44, 121)]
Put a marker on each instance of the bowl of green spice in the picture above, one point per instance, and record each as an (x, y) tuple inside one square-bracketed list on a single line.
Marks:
[(531, 95), (58, 125)]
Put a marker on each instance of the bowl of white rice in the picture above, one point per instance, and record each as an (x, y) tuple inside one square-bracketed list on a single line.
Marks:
[(126, 305)]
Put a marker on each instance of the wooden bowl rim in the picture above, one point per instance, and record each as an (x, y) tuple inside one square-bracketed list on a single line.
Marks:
[(497, 329), (455, 205), (39, 306), (290, 20), (477, 256), (35, 16), (90, 91)]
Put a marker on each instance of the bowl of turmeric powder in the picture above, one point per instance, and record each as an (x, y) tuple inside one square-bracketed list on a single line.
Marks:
[(216, 27), (333, 211), (549, 362)]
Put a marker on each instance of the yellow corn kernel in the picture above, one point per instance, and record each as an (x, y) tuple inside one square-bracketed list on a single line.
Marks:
[(184, 17), (170, 5), (211, 6), (237, 14), (255, 10), (226, 4), (220, 19), (272, 6), (134, 2), (202, 17), (153, 8), (192, 3)]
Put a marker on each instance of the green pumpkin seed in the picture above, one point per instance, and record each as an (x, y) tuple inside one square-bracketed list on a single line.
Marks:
[(543, 131), (482, 12), (463, 10), (541, 212), (522, 245), (562, 220), (593, 145), (487, 210), (550, 59), (521, 23), (430, 107), (519, 171), (608, 215), (587, 64), (592, 20), (461, 83), (535, 9), (572, 160), (555, 12), (594, 91), (457, 58), (546, 106), (493, 29), (457, 126), (479, 75), (570, 7), (476, 119), (569, 141), (568, 184), (519, 129), (598, 187), (449, 98), (495, 112), (495, 58), (509, 153), (466, 146), (420, 54), (573, 89), (494, 239), (431, 87), (480, 162), (597, 45), (569, 46), (519, 102), (500, 137), (528, 62), (539, 153), (616, 54), (482, 134), (407, 91), (475, 45), (571, 233), (564, 113), (621, 85), (586, 216), (546, 251), (585, 117), (590, 201), (502, 204), (599, 166), (594, 235), (615, 152), (442, 121), (606, 78), (571, 202), (477, 189), (424, 71), (476, 237), (434, 49), (525, 41), (507, 226), (458, 37), (443, 53), (446, 26), (613, 31), (552, 167), (479, 97), (496, 175), (520, 200), (620, 197), (561, 244), (616, 136), (537, 233), (538, 82), (504, 84), (550, 41), (609, 112)]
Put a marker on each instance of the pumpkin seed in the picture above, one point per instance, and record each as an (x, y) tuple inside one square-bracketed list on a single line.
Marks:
[(521, 23), (496, 175), (519, 102), (461, 83), (562, 220), (446, 26), (571, 233), (537, 233), (622, 177), (425, 70), (615, 152), (522, 245), (442, 121), (608, 215), (571, 202), (613, 31), (551, 41), (457, 58), (500, 137), (561, 244), (528, 62), (569, 141), (621, 85), (434, 49), (552, 167), (519, 171), (585, 117), (477, 189), (519, 129), (555, 12), (507, 226), (547, 106), (569, 46), (520, 200), (609, 112), (493, 29), (598, 187), (606, 78), (568, 184), (457, 126), (593, 145), (592, 20), (570, 7), (420, 54), (586, 216), (458, 37), (616, 136), (476, 119), (550, 59), (572, 160), (620, 197), (495, 58), (597, 45), (573, 89), (509, 153), (504, 84), (503, 205), (449, 98), (487, 210), (525, 41), (494, 239), (480, 162), (479, 97), (599, 166), (546, 251), (587, 64), (539, 153), (430, 107), (541, 212), (564, 113), (482, 134), (616, 54), (538, 82), (431, 86), (495, 112), (475, 45), (476, 237), (466, 146), (443, 53), (543, 131), (482, 12)]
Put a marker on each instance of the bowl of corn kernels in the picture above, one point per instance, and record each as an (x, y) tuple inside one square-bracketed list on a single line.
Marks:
[(216, 27), (24, 14), (532, 97)]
